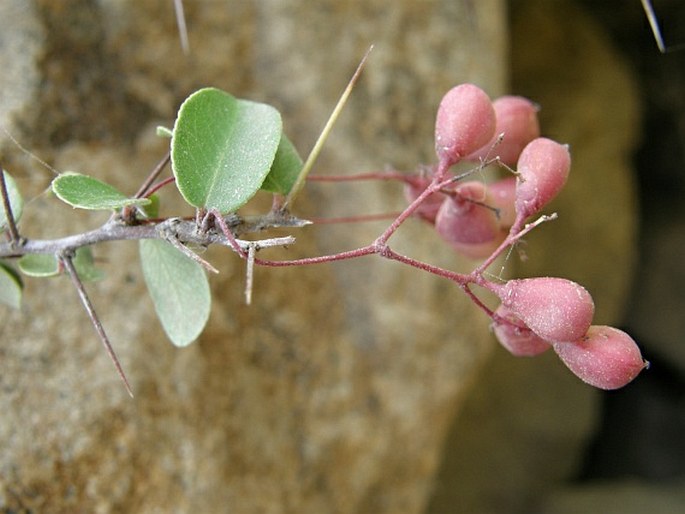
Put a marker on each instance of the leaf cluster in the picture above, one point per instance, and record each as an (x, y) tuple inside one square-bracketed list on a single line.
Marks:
[(223, 150)]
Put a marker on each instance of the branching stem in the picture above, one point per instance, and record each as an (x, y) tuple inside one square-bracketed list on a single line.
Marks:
[(184, 231), (209, 227), (143, 191)]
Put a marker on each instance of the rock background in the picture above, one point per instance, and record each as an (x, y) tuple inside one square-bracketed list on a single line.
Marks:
[(333, 392), (360, 387)]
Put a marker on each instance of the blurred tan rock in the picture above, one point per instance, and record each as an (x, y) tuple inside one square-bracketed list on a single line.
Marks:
[(334, 390)]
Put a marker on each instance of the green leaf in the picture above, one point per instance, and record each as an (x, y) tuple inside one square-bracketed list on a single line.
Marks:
[(179, 289), (39, 265), (47, 265), (85, 265), (285, 168), (222, 149), (10, 286), (84, 192), (151, 210), (16, 202)]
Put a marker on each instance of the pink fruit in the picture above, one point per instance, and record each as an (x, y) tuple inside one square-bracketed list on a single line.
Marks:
[(430, 206), (503, 195), (460, 220), (555, 309), (515, 337), (605, 357), (464, 123), (517, 119), (478, 251), (543, 168)]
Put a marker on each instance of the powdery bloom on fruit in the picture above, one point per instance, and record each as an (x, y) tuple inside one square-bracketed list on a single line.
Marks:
[(515, 337), (503, 195), (517, 121), (543, 168), (464, 123), (555, 309), (605, 357)]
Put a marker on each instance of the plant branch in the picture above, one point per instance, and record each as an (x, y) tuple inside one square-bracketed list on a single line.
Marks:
[(184, 231), (363, 218), (518, 230), (372, 175), (145, 186)]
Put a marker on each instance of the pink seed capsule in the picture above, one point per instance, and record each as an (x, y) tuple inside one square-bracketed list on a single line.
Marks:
[(479, 251), (555, 309), (543, 168), (515, 337), (460, 220), (503, 195), (464, 123), (605, 357), (517, 119)]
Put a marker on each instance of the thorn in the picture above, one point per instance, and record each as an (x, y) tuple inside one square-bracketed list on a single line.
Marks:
[(171, 239), (9, 215), (654, 24), (316, 150), (182, 29), (66, 260), (249, 275)]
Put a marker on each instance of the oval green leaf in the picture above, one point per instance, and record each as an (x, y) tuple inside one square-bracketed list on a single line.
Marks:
[(85, 192), (151, 210), (179, 290), (39, 265), (222, 149), (85, 265), (16, 202), (10, 286), (285, 168)]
